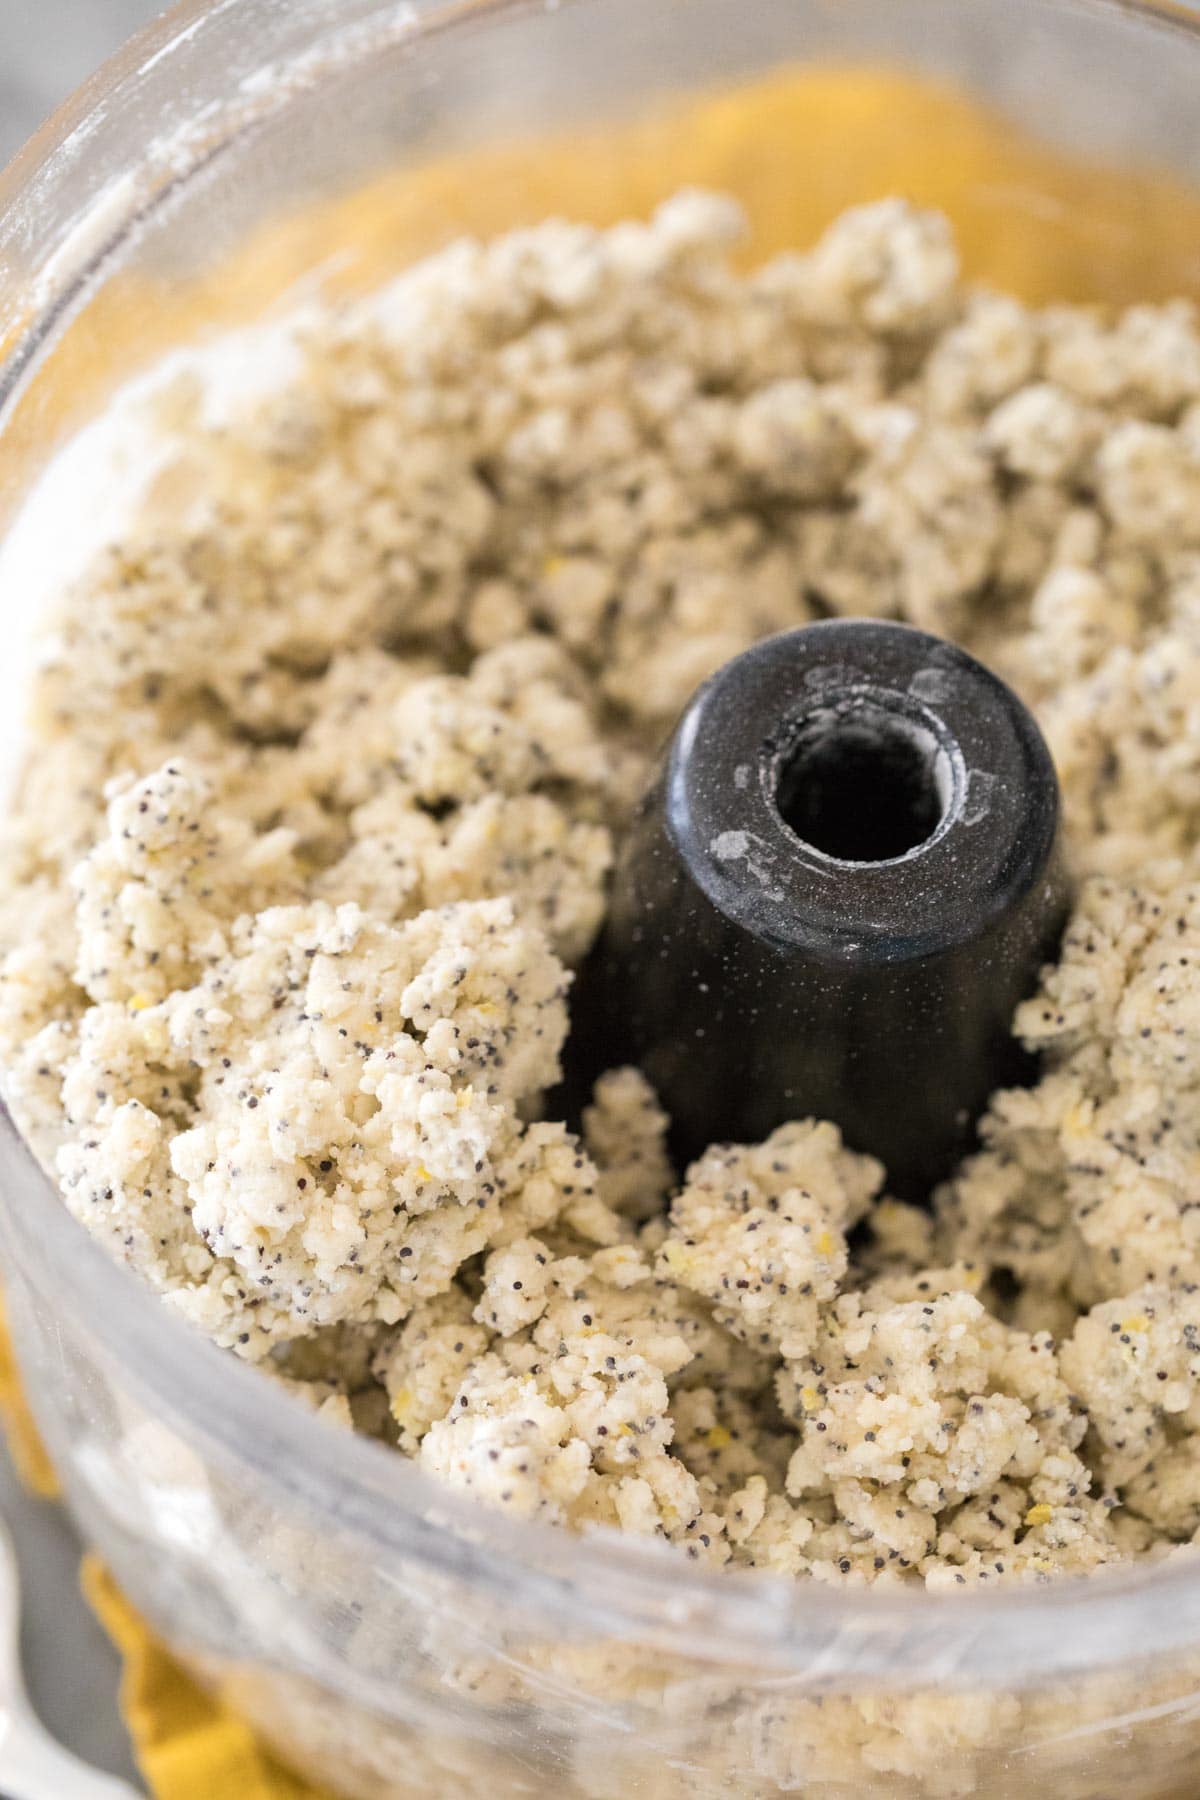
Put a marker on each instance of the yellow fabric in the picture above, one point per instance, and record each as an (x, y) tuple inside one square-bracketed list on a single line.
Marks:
[(796, 147), (24, 1441), (189, 1745)]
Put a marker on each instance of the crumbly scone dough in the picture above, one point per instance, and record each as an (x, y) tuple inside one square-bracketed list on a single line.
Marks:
[(330, 752)]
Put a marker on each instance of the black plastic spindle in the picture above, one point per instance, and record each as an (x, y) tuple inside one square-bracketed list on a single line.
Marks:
[(844, 879)]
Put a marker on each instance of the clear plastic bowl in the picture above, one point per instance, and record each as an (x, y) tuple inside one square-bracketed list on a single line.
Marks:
[(389, 1637)]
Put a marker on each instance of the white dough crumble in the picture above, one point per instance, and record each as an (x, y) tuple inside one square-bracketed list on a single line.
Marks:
[(329, 753)]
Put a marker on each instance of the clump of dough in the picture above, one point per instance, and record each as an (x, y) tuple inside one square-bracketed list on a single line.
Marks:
[(760, 1231), (566, 1414), (331, 754), (1084, 1187), (322, 1120)]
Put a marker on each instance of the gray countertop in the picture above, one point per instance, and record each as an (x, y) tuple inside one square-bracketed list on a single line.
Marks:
[(70, 1668), (46, 48)]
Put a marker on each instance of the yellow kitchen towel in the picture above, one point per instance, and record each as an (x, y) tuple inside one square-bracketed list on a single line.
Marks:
[(20, 1433), (189, 1746)]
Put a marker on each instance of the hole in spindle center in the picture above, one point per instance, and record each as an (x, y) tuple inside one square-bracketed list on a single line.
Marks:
[(862, 783)]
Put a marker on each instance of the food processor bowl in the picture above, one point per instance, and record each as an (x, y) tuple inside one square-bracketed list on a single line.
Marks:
[(386, 1635)]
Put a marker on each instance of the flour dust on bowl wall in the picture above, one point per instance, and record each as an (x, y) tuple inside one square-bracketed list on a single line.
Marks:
[(406, 413)]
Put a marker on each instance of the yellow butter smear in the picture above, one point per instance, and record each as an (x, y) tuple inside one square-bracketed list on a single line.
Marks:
[(795, 147)]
